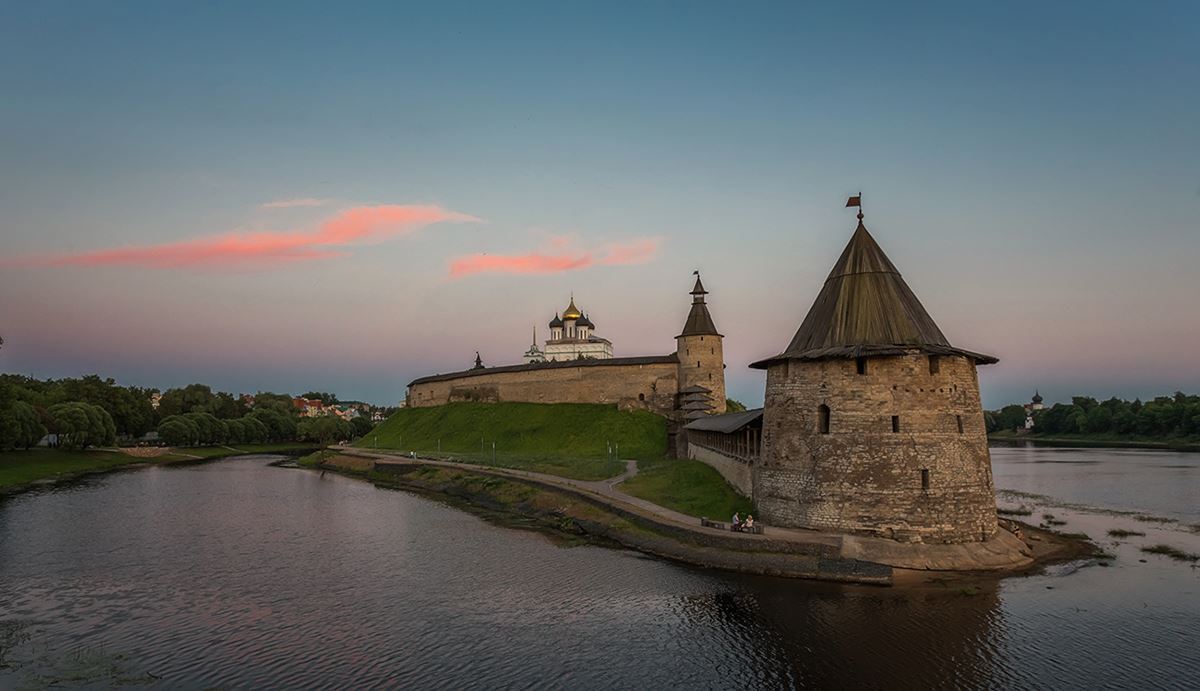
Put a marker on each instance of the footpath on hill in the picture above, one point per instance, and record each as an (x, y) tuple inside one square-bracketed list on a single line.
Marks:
[(1004, 552)]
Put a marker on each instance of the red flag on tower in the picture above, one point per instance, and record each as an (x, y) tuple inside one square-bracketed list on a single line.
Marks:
[(856, 200)]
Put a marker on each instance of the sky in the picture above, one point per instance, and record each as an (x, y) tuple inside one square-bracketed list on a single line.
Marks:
[(325, 196)]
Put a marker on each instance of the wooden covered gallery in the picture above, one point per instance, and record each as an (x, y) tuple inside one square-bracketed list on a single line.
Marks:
[(733, 434)]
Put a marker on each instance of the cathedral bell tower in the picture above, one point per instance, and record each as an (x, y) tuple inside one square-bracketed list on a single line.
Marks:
[(701, 360)]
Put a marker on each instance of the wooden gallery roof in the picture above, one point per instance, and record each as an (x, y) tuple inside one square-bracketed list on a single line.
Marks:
[(865, 308)]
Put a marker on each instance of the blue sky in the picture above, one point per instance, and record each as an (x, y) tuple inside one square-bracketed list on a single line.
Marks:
[(1031, 170)]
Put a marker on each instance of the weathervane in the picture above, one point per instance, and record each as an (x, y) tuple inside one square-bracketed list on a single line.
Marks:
[(856, 201)]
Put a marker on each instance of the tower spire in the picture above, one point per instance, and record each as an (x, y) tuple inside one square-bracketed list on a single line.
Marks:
[(699, 321)]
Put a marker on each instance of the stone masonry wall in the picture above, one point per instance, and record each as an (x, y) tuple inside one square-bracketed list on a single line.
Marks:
[(649, 387), (862, 476), (736, 473), (702, 362)]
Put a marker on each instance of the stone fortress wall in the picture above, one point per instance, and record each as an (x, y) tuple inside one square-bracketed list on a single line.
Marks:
[(629, 385), (924, 476), (657, 383)]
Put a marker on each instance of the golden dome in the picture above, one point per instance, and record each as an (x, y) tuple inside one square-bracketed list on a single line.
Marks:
[(572, 312)]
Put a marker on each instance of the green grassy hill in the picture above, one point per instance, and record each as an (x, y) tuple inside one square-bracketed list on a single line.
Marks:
[(522, 430)]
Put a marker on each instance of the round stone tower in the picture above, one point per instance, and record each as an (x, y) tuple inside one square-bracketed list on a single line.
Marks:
[(872, 421), (701, 360)]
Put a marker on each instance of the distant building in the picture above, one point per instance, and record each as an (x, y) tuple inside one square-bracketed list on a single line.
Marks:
[(308, 407), (1034, 404), (155, 400), (344, 411), (534, 354), (571, 338)]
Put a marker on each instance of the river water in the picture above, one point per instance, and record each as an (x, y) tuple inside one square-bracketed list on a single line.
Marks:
[(237, 574)]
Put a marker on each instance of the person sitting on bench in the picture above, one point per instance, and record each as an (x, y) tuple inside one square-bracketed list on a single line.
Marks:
[(749, 524), (735, 525)]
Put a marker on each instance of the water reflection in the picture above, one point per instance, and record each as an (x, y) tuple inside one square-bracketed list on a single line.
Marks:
[(235, 574)]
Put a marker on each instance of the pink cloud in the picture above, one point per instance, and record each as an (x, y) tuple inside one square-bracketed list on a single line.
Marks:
[(377, 222), (558, 260), (637, 251), (239, 249), (292, 203)]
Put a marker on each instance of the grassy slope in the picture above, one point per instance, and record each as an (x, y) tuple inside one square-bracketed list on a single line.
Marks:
[(562, 439), (687, 486)]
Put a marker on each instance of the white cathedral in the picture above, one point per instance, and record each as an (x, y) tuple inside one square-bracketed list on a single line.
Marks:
[(570, 339)]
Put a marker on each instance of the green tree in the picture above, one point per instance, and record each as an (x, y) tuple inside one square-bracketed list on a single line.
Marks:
[(176, 431), (361, 425), (324, 430), (732, 405), (211, 431), (1010, 417), (189, 437), (255, 430), (280, 427), (235, 431), (79, 425), (279, 402)]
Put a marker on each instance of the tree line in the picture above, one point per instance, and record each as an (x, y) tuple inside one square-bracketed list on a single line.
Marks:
[(91, 411), (1162, 417)]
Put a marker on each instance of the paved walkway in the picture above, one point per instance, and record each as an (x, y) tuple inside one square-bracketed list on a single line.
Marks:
[(1004, 551), (608, 491)]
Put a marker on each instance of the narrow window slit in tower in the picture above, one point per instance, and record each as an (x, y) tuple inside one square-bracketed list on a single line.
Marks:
[(934, 364), (895, 424), (960, 426), (860, 364), (823, 415), (924, 478)]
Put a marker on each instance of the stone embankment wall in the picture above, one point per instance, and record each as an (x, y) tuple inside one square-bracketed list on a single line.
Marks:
[(736, 473), (636, 386), (905, 454)]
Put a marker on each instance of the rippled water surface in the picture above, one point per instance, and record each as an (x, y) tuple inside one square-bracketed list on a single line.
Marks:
[(236, 574)]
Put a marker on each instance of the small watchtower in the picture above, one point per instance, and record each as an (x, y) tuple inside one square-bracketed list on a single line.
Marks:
[(872, 421), (701, 359)]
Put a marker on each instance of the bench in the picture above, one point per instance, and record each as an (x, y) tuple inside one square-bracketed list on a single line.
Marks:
[(753, 530)]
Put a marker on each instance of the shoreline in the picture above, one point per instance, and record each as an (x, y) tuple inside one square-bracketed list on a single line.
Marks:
[(171, 456), (567, 509), (1011, 439)]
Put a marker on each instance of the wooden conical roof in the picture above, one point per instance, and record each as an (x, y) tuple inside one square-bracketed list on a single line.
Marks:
[(699, 321), (866, 308)]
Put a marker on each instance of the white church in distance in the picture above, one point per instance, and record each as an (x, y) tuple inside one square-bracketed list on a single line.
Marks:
[(570, 339)]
